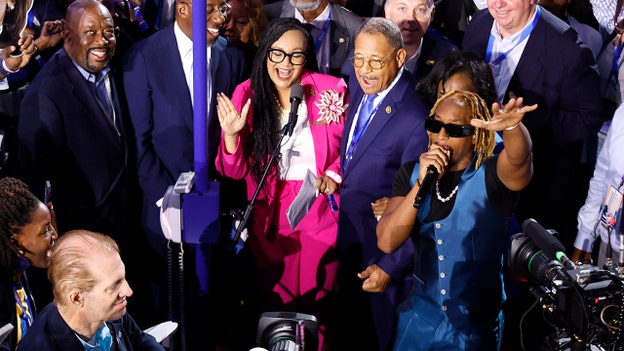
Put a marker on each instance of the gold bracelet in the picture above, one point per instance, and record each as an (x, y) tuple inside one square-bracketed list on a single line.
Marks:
[(512, 127)]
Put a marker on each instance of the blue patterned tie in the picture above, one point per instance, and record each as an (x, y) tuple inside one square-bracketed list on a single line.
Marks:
[(102, 93), (366, 112)]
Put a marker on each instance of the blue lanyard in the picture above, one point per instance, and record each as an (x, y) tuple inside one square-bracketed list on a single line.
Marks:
[(615, 66), (319, 40), (525, 33), (25, 318)]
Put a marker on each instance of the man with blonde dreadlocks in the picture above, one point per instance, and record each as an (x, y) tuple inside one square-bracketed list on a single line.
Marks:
[(459, 228)]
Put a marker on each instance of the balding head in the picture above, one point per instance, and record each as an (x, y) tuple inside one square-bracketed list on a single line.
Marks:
[(89, 35)]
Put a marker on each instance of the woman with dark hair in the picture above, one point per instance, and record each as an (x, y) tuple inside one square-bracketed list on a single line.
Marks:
[(27, 234), (469, 71), (13, 16), (295, 260)]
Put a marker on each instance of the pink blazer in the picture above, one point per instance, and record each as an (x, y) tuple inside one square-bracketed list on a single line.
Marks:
[(326, 135)]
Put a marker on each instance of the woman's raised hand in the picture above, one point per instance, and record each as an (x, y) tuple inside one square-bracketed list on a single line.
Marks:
[(231, 121)]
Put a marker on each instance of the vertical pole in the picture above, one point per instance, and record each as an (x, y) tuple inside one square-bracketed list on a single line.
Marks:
[(200, 107)]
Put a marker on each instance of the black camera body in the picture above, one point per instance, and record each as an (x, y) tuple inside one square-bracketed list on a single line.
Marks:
[(287, 331), (586, 301)]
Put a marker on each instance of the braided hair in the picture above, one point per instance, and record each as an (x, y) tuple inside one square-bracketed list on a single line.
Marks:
[(17, 205), (484, 140), (266, 110)]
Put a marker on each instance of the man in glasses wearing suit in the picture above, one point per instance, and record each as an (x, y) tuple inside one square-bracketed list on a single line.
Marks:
[(384, 129), (158, 81)]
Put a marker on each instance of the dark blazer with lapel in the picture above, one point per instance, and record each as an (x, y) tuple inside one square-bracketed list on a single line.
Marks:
[(434, 47), (50, 332), (64, 136), (344, 25), (395, 135), (559, 74), (161, 112)]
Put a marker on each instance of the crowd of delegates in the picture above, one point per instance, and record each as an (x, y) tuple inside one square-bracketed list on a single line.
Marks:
[(100, 103)]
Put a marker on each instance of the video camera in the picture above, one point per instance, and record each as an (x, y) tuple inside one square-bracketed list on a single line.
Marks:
[(287, 331), (586, 301)]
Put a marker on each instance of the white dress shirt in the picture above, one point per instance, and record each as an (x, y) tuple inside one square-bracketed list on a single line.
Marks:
[(608, 172)]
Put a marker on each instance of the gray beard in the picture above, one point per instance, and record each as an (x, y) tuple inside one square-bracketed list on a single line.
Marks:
[(306, 6)]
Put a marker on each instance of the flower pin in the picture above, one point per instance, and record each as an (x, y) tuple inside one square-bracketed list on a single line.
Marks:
[(331, 107)]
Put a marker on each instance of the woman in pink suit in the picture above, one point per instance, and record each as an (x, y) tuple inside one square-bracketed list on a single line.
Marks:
[(295, 266)]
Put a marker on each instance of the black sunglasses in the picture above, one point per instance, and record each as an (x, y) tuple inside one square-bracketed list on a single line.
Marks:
[(453, 130)]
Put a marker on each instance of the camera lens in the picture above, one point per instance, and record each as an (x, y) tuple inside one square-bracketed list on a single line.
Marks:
[(281, 336), (283, 345)]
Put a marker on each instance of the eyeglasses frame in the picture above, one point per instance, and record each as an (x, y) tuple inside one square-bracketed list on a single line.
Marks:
[(382, 63), (270, 50)]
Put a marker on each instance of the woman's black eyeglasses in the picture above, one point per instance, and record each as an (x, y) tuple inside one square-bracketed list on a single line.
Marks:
[(453, 130), (297, 58)]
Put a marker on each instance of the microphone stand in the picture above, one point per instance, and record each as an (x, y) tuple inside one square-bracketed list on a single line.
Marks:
[(275, 154)]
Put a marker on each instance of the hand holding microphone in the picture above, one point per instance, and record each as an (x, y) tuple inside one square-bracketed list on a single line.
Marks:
[(433, 163)]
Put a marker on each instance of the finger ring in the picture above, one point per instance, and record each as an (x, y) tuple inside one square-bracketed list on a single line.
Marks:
[(378, 218)]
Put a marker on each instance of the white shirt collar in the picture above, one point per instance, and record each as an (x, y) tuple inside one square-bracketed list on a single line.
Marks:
[(319, 21)]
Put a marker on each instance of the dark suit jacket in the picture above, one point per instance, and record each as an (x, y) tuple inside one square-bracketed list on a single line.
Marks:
[(65, 136), (434, 47), (162, 114), (395, 135), (50, 332), (344, 25), (558, 73)]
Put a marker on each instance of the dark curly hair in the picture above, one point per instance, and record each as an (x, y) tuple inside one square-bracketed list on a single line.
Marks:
[(475, 67), (266, 128), (17, 205)]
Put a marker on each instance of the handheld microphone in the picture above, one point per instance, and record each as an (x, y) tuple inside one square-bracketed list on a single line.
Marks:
[(546, 241), (296, 94), (425, 186)]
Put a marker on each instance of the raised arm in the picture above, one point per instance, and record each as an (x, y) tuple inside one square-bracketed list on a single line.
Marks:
[(514, 166)]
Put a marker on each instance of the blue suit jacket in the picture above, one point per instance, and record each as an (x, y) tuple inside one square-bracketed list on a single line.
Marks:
[(160, 108), (557, 72), (50, 332), (395, 135)]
